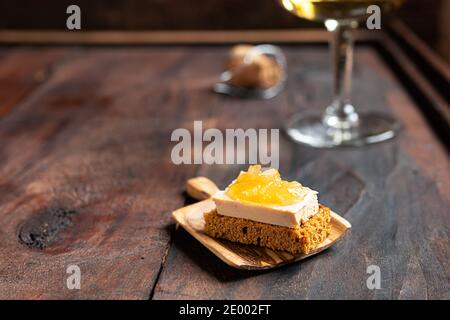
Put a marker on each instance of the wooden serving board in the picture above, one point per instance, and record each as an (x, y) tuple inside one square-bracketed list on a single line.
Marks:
[(248, 257)]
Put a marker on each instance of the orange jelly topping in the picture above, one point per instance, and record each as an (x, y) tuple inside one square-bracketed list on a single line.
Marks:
[(265, 187)]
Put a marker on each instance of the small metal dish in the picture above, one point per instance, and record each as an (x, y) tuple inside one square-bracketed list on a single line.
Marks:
[(224, 87)]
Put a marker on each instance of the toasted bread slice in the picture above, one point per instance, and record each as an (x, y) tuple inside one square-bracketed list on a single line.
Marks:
[(302, 239)]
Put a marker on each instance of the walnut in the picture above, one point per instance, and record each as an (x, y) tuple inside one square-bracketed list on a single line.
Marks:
[(261, 72)]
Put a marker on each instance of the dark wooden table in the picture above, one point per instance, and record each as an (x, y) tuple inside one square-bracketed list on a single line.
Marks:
[(86, 178)]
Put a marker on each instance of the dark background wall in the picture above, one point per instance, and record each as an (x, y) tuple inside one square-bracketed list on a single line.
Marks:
[(150, 14), (426, 17)]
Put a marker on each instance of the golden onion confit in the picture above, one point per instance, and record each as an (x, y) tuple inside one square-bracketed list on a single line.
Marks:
[(265, 187)]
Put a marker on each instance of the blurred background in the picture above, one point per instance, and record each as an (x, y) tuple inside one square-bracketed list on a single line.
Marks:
[(428, 19)]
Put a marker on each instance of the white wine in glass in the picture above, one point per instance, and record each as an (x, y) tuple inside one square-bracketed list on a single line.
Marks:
[(340, 124)]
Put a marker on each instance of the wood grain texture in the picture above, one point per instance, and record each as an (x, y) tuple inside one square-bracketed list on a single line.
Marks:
[(164, 37), (86, 178), (394, 194), (83, 159), (23, 71)]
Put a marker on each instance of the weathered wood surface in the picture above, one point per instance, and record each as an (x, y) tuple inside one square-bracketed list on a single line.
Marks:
[(86, 179)]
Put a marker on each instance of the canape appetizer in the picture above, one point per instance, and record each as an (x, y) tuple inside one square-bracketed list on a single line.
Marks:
[(260, 208)]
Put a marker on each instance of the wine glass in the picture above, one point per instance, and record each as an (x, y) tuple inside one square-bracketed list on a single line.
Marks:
[(340, 124)]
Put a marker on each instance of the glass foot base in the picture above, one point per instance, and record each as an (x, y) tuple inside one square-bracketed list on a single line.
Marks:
[(308, 129)]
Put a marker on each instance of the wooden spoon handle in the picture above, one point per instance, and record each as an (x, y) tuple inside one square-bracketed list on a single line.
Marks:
[(201, 188)]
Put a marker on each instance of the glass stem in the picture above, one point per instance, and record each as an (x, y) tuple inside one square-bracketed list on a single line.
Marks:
[(341, 113)]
